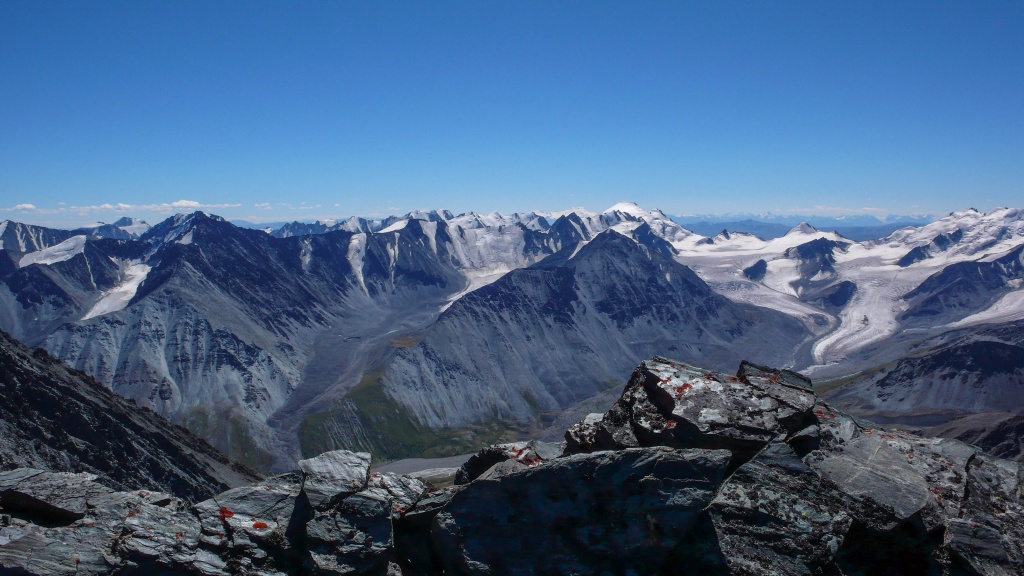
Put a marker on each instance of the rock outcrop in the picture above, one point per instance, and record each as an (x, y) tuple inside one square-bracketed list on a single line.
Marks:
[(690, 472)]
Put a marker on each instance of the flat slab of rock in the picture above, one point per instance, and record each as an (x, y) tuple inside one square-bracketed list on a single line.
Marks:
[(990, 533)]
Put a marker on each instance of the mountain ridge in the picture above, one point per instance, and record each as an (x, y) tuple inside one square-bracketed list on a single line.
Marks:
[(242, 335)]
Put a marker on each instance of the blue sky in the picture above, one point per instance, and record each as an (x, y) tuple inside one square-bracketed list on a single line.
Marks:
[(297, 110)]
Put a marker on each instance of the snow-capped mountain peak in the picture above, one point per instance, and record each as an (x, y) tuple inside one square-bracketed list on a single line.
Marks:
[(631, 208), (802, 228)]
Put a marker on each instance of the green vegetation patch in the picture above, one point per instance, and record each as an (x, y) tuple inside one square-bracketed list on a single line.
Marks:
[(406, 341), (243, 448), (230, 434), (389, 431)]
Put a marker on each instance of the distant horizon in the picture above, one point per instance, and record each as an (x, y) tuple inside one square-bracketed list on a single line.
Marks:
[(268, 111), (72, 217), (187, 207)]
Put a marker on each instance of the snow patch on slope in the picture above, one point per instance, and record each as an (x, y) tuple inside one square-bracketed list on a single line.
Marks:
[(305, 254), (1008, 308), (356, 251), (395, 227), (430, 229), (118, 297), (66, 250)]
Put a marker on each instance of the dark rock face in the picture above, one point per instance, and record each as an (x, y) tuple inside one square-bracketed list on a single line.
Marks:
[(940, 243), (756, 270), (615, 511), (817, 256), (58, 419), (691, 471), (814, 490)]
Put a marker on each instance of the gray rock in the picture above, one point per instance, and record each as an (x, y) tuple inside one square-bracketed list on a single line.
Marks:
[(826, 494), (356, 537), (404, 491), (619, 511), (668, 403), (334, 474), (49, 497), (163, 536), (81, 546), (989, 535), (774, 511)]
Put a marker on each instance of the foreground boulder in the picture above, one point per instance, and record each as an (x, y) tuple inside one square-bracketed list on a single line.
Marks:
[(690, 472), (815, 490), (668, 403)]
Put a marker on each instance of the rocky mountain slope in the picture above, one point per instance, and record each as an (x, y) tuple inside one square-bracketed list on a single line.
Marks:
[(548, 336), (258, 340), (692, 471), (58, 419)]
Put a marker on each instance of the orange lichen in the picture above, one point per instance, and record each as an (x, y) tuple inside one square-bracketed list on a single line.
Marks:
[(682, 389), (224, 513), (259, 525)]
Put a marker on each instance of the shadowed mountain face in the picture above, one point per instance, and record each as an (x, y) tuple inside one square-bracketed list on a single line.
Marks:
[(18, 237), (55, 418), (969, 370), (961, 289)]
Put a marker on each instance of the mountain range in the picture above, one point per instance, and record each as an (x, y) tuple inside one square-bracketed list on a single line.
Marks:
[(437, 332)]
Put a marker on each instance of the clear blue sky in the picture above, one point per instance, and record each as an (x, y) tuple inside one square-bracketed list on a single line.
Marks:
[(295, 110)]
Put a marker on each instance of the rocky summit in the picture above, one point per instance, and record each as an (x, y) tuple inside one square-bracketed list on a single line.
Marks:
[(691, 471)]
